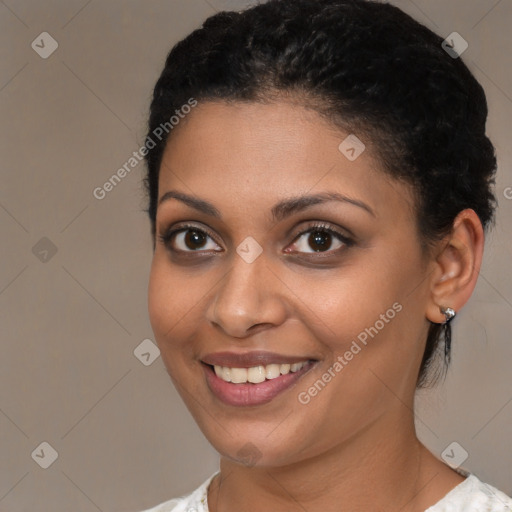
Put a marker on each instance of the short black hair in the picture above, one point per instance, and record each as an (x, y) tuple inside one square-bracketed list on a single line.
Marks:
[(369, 68)]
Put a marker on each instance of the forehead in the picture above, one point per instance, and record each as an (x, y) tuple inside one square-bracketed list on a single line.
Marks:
[(253, 154)]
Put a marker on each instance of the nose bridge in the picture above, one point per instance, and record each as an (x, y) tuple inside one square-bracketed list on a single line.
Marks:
[(244, 297)]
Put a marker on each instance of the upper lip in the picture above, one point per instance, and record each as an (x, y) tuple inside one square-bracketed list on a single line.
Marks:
[(250, 359)]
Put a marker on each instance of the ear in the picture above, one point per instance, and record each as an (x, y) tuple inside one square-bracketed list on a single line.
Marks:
[(457, 266)]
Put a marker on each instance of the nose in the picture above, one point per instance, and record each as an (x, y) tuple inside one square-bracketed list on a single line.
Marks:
[(249, 299)]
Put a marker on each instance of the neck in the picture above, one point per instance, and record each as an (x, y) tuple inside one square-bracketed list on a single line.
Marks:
[(385, 465)]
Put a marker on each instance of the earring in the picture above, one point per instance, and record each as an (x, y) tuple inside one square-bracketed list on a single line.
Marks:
[(449, 314)]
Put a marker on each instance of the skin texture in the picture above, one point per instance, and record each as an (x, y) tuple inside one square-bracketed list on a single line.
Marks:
[(353, 446)]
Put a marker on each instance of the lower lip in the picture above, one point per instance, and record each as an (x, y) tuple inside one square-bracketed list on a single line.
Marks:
[(247, 394)]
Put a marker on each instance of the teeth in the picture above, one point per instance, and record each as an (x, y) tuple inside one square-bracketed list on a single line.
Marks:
[(272, 371), (284, 368), (238, 375), (256, 374), (223, 372)]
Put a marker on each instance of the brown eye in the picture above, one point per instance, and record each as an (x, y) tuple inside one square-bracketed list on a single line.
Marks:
[(188, 239), (320, 238), (194, 239)]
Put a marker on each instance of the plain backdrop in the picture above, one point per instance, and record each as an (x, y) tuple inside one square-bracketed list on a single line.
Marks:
[(74, 269)]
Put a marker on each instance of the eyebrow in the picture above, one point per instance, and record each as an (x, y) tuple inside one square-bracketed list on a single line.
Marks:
[(279, 211)]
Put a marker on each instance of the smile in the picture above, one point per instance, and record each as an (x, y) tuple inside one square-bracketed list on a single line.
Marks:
[(255, 385), (256, 374)]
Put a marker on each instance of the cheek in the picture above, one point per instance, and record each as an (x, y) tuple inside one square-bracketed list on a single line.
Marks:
[(158, 305), (167, 303), (347, 303), (363, 315), (174, 303)]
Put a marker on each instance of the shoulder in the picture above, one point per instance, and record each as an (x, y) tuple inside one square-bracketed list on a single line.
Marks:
[(473, 495), (195, 501)]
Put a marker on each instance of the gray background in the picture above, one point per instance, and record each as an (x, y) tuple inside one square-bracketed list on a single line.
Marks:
[(71, 321)]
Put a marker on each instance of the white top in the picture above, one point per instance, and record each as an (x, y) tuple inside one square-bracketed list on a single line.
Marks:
[(471, 495)]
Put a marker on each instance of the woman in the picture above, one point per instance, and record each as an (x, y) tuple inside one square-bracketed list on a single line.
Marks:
[(319, 184)]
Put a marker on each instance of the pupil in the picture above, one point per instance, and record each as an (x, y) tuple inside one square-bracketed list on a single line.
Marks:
[(193, 239), (319, 238)]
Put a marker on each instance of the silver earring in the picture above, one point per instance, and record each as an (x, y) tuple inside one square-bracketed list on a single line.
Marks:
[(449, 314)]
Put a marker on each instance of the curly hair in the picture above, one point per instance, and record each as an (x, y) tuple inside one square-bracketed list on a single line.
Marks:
[(368, 68)]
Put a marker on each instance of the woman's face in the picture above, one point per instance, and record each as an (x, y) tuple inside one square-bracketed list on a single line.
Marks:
[(253, 284)]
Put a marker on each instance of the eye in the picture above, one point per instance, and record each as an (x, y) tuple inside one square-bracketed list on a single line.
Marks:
[(188, 238), (320, 239)]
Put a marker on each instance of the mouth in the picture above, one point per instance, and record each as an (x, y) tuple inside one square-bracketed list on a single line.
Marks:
[(248, 383), (256, 374)]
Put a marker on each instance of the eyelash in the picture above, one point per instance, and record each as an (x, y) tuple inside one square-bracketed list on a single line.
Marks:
[(322, 227)]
